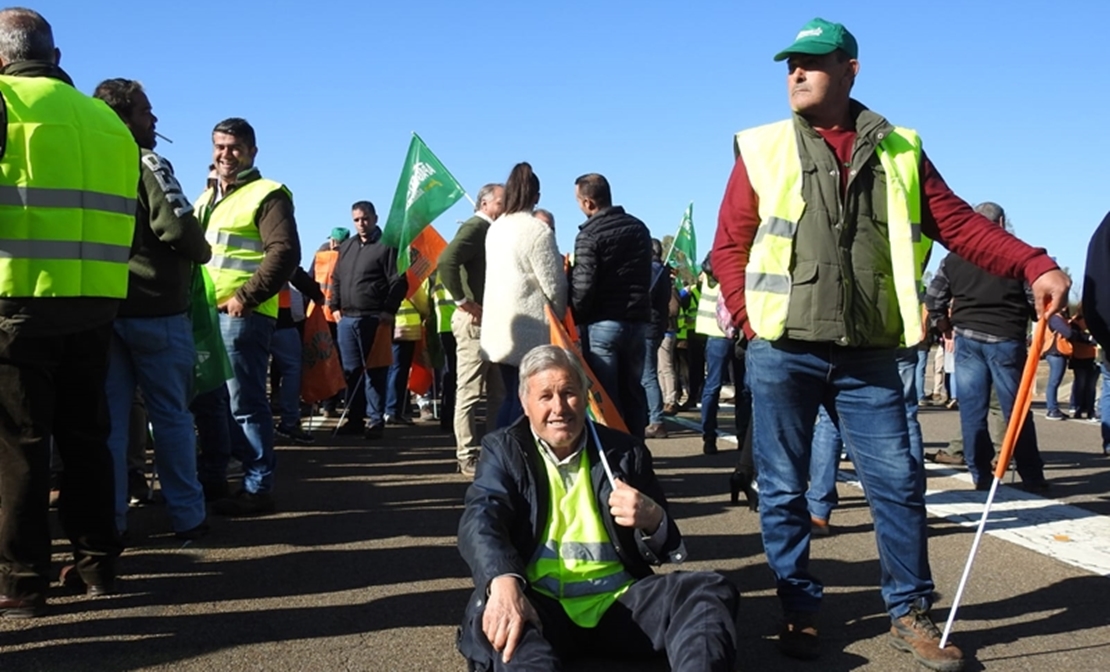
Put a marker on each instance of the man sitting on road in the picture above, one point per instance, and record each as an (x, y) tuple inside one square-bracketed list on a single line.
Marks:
[(557, 574)]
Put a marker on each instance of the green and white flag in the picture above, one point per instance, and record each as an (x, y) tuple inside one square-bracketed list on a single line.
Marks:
[(685, 242), (425, 191)]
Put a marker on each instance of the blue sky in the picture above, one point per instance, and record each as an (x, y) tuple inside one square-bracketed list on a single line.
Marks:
[(1010, 103)]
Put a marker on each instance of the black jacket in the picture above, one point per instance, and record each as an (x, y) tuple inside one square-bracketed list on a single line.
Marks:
[(1096, 285), (506, 510), (366, 282), (611, 276), (506, 507)]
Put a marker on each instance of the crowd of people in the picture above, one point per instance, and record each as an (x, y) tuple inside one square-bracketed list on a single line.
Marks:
[(811, 303)]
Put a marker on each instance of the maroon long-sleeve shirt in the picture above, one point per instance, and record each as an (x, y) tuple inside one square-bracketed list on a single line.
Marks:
[(945, 218)]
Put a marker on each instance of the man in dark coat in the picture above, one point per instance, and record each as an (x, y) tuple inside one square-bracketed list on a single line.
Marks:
[(560, 530)]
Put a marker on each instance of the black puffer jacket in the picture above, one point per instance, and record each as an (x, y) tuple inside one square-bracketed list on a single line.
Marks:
[(611, 276), (366, 282)]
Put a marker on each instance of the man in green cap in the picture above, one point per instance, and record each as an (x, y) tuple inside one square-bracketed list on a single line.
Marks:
[(826, 224)]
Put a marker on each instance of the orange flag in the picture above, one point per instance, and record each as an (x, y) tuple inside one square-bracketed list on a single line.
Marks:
[(381, 352), (601, 405), (420, 375), (428, 245), (1024, 399), (321, 374)]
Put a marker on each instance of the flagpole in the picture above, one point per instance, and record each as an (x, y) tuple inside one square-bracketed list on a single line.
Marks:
[(670, 251), (1017, 420)]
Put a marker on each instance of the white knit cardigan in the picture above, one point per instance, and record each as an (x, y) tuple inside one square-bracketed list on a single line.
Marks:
[(524, 272)]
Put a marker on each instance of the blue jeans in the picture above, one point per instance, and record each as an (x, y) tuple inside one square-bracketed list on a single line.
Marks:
[(718, 357), (511, 407), (824, 462), (286, 350), (615, 352), (1104, 404), (978, 366), (365, 393), (908, 360), (919, 371), (650, 380), (397, 380), (1084, 386), (248, 347), (864, 397), (1057, 365), (157, 354)]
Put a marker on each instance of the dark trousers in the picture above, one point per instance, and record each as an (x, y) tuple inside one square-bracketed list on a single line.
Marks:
[(449, 382), (695, 367), (688, 616), (54, 385)]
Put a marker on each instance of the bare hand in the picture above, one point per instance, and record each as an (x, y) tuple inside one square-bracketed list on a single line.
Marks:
[(1050, 292), (234, 307), (474, 310), (338, 315), (507, 612), (631, 508)]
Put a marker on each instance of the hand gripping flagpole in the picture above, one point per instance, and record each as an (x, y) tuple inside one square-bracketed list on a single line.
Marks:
[(1013, 430), (601, 453)]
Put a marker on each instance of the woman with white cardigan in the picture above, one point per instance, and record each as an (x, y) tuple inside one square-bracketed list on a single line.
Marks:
[(524, 273)]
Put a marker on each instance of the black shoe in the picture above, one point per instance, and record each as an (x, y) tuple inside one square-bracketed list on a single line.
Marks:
[(709, 447), (215, 491), (22, 607), (798, 637), (295, 435), (469, 466), (194, 533), (245, 504), (1035, 486), (351, 428), (741, 481), (398, 420), (374, 432), (70, 578)]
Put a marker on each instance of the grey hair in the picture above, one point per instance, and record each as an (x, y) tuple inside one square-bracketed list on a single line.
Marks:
[(545, 357), (991, 211), (485, 191), (547, 213), (25, 36)]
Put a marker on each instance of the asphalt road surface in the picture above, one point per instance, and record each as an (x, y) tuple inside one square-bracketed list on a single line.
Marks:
[(358, 570)]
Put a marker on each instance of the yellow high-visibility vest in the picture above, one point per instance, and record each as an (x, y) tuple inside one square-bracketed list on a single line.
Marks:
[(576, 563), (770, 154), (706, 322), (237, 249), (69, 180)]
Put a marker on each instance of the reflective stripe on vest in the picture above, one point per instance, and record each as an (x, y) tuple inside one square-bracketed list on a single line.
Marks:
[(237, 247), (69, 176), (324, 268), (576, 562), (707, 310), (445, 307), (774, 166)]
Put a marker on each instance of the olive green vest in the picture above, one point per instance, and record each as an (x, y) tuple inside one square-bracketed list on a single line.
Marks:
[(576, 563), (237, 247), (828, 268), (69, 179)]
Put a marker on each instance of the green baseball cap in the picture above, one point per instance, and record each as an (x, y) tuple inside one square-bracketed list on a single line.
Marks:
[(819, 37), (339, 234)]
